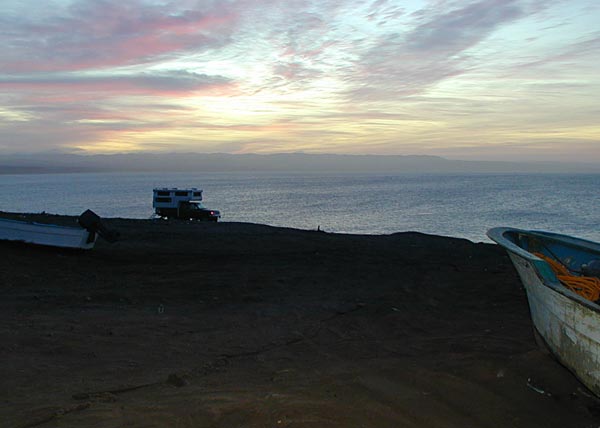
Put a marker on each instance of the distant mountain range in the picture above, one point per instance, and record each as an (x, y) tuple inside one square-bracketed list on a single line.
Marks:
[(293, 162)]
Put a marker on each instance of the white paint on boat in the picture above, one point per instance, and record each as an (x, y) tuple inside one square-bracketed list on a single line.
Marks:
[(568, 323), (46, 234)]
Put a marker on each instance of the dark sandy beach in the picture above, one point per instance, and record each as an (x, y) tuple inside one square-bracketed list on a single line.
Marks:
[(242, 325)]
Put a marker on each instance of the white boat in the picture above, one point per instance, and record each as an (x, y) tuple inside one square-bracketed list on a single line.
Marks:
[(568, 323), (46, 234), (83, 236)]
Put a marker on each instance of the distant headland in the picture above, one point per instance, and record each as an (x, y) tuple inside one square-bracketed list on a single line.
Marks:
[(47, 163)]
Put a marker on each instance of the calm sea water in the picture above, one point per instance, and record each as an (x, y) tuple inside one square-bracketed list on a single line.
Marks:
[(452, 205)]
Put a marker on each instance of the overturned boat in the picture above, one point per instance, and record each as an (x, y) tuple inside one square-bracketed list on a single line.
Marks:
[(561, 276), (81, 237)]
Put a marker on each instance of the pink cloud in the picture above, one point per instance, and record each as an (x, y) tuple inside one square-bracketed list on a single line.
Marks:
[(98, 34), (69, 87)]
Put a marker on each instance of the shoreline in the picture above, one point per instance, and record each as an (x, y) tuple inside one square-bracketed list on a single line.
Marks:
[(233, 324)]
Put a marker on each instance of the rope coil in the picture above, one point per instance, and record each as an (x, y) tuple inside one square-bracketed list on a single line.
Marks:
[(586, 286)]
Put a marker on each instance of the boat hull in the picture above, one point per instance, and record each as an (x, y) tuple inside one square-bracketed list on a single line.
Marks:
[(571, 331), (568, 323), (46, 234)]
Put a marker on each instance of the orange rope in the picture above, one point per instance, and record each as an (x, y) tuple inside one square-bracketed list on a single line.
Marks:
[(585, 286)]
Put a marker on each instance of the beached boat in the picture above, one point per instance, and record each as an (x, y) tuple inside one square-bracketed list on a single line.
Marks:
[(83, 236), (46, 234), (568, 323)]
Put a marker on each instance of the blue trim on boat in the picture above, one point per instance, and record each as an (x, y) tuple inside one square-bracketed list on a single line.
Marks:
[(543, 269)]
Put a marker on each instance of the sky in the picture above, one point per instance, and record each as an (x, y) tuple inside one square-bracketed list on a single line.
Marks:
[(475, 80)]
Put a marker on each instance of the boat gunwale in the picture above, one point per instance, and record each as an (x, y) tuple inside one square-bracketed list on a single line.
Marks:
[(33, 223), (542, 268)]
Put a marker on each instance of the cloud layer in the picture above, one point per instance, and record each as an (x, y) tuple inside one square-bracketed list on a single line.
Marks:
[(489, 78), (105, 33)]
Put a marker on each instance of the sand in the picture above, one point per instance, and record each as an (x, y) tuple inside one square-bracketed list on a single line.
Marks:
[(241, 325)]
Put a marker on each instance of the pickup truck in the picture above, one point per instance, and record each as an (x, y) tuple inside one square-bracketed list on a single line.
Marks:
[(182, 204)]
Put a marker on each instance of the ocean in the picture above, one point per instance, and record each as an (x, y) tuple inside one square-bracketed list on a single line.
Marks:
[(456, 205)]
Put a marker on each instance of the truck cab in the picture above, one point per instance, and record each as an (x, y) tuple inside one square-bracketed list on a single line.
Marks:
[(185, 204)]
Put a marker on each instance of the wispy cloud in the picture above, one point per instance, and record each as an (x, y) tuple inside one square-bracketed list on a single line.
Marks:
[(106, 33), (357, 76), (583, 52), (173, 83), (408, 63)]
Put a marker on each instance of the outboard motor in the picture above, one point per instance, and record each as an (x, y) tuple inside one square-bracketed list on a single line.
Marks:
[(92, 222), (592, 268)]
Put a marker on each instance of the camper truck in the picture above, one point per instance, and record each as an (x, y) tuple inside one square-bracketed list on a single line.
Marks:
[(185, 204)]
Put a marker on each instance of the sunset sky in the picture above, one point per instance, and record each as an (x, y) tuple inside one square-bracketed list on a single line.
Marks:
[(487, 79)]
